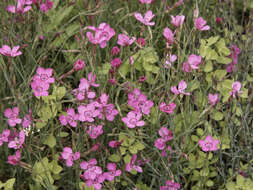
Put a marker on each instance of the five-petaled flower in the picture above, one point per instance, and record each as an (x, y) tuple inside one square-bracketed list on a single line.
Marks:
[(146, 20), (7, 51), (209, 144), (133, 119)]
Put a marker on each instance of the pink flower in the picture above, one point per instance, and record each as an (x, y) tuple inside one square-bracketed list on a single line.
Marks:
[(167, 108), (145, 1), (124, 40), (169, 36), (44, 75), (83, 92), (194, 61), (95, 131), (27, 121), (22, 7), (178, 20), (133, 119), (12, 115), (169, 62), (87, 113), (160, 143), (91, 79), (4, 136), (116, 62), (209, 144), (7, 51), (165, 133), (70, 118), (96, 183), (146, 19), (102, 34), (68, 155), (141, 42), (39, 89), (236, 86), (200, 24), (18, 141), (44, 7), (172, 185), (114, 144), (186, 67), (213, 99), (115, 50), (79, 65), (132, 165), (218, 20), (14, 159), (112, 172), (181, 87), (234, 55)]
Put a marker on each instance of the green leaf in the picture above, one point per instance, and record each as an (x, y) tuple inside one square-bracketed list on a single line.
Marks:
[(211, 54), (105, 69), (139, 146), (9, 184), (114, 158), (56, 169), (133, 149), (222, 49), (209, 183), (194, 85), (212, 40), (200, 132), (50, 141), (194, 138), (59, 92), (208, 67), (127, 159), (240, 181), (220, 74), (41, 124), (63, 134), (218, 116), (230, 186), (223, 60)]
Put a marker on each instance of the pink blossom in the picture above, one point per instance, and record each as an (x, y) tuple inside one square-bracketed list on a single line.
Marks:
[(178, 20), (169, 62), (160, 143), (145, 1), (142, 78), (4, 136), (116, 62), (209, 144), (167, 108), (83, 91), (115, 50), (181, 87), (218, 20), (96, 183), (146, 19), (141, 42), (12, 115), (124, 40), (7, 51), (70, 118), (14, 159), (179, 2), (194, 61), (87, 113), (112, 172), (79, 65), (44, 75), (22, 7), (165, 133), (114, 144), (200, 24), (69, 156), (172, 185), (169, 36), (235, 51), (102, 34), (133, 119), (44, 7), (236, 86), (17, 143), (186, 67), (132, 165), (27, 121), (213, 99), (95, 131), (91, 79), (39, 89)]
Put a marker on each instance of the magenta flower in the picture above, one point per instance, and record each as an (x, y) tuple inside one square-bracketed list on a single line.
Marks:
[(96, 183), (146, 19), (112, 172), (87, 113), (95, 131), (115, 50), (17, 142), (160, 143), (194, 61), (70, 118), (27, 121), (132, 165), (165, 133), (236, 86), (209, 144), (167, 108), (79, 65), (44, 7), (186, 67), (91, 79), (116, 62), (4, 137), (213, 99), (44, 75), (200, 24), (102, 34), (133, 119), (83, 92), (172, 185), (169, 36), (145, 1), (124, 40), (141, 42), (7, 51), (178, 20), (39, 89), (14, 159), (114, 144), (181, 87), (234, 55), (169, 62), (12, 115), (22, 7), (68, 155)]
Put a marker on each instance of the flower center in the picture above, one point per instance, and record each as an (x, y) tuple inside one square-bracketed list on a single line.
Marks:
[(132, 121), (43, 77)]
